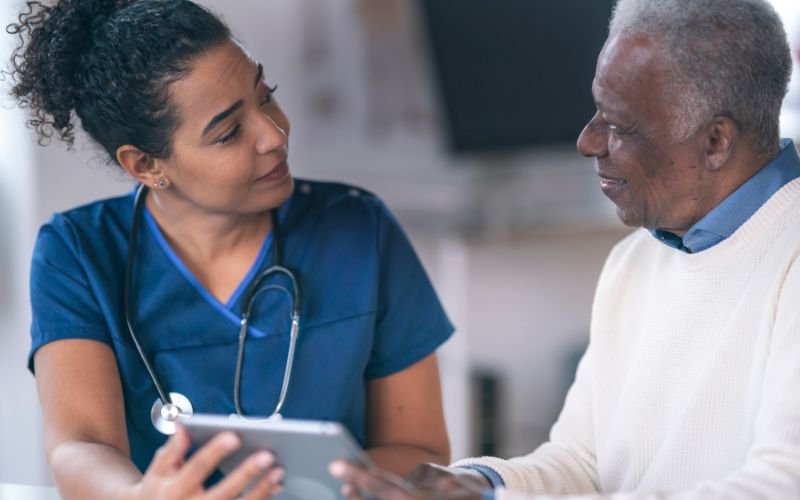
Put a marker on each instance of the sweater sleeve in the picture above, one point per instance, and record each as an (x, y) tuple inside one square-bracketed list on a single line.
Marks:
[(566, 463), (772, 466)]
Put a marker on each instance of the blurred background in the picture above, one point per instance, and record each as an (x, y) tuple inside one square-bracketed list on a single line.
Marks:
[(464, 121)]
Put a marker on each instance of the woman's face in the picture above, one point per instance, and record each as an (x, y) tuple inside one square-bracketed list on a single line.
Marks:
[(229, 153)]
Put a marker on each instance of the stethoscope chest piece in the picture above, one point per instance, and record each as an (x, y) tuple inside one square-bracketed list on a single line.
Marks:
[(164, 416)]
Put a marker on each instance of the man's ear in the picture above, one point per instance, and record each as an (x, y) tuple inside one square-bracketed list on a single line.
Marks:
[(721, 138), (140, 165)]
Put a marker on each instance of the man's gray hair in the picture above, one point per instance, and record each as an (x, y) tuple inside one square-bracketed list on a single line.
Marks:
[(726, 58)]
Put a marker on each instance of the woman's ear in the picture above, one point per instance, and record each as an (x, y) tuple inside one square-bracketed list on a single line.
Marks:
[(723, 134), (141, 166)]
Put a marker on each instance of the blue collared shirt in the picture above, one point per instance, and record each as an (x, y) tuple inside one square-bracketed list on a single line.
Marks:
[(721, 222)]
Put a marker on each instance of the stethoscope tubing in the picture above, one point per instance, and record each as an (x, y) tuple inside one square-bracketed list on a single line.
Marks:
[(138, 205), (174, 404)]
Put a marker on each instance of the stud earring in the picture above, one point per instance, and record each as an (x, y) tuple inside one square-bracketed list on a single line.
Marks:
[(162, 183)]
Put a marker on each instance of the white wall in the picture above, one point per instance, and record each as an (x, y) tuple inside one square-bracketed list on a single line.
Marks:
[(19, 417), (34, 182), (789, 10)]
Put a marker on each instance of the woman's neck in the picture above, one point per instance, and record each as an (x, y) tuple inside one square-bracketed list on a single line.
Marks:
[(204, 236)]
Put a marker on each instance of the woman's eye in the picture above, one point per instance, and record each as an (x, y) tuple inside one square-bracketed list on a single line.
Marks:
[(230, 135), (268, 98)]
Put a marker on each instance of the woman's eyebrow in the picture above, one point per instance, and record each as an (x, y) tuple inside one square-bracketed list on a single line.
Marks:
[(221, 116), (238, 104), (259, 74)]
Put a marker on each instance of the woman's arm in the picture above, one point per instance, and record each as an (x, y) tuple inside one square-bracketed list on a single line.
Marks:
[(87, 444), (84, 420), (405, 419)]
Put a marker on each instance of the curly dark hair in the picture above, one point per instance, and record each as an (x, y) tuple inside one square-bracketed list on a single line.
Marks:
[(111, 62)]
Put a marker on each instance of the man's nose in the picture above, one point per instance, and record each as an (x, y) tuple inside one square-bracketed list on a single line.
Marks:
[(593, 140)]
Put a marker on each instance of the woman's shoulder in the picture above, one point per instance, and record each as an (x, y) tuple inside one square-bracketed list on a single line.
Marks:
[(97, 209), (336, 200), (330, 193), (87, 221)]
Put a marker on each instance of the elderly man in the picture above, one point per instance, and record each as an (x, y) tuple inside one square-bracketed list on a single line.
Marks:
[(690, 387)]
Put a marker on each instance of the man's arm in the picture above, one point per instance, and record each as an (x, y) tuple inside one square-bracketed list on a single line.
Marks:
[(772, 466)]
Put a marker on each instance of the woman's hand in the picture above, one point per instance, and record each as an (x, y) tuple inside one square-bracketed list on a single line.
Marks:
[(171, 476), (425, 482)]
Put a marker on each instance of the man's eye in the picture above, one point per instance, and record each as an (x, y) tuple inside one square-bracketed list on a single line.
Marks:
[(617, 130)]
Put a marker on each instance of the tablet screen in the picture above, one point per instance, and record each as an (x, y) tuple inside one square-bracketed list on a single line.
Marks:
[(304, 448)]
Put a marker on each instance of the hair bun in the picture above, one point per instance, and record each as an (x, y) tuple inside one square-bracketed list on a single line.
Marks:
[(47, 59)]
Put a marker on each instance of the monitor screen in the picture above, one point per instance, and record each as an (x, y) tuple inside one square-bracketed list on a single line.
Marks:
[(515, 74)]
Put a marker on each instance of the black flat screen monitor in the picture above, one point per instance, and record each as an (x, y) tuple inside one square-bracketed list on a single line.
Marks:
[(515, 74)]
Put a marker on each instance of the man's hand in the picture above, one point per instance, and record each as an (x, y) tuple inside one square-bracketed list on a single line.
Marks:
[(426, 482)]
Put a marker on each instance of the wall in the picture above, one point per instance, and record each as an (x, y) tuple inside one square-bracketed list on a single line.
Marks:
[(789, 10), (20, 439), (34, 182)]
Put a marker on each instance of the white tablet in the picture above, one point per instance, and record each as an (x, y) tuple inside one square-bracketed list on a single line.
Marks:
[(304, 448)]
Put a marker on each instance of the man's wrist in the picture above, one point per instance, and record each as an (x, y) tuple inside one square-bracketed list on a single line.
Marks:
[(474, 475), (489, 475)]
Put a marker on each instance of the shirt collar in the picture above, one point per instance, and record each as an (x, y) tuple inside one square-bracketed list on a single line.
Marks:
[(722, 221)]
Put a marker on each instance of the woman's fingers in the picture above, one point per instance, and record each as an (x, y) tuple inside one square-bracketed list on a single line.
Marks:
[(349, 493), (268, 486), (252, 471), (169, 457), (203, 462)]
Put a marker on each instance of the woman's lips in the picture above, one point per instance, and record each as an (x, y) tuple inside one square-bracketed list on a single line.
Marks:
[(280, 171)]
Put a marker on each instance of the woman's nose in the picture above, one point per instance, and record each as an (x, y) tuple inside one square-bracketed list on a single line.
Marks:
[(271, 135), (593, 140)]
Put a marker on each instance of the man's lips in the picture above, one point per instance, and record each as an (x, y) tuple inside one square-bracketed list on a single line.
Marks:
[(609, 183)]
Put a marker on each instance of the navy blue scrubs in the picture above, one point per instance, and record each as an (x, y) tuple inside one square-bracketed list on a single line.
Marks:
[(368, 310)]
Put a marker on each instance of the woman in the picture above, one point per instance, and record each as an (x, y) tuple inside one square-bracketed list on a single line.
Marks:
[(164, 88)]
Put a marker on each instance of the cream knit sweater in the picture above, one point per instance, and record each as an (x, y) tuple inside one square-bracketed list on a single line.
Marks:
[(690, 387)]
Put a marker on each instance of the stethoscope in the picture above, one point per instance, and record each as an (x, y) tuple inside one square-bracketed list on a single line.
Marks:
[(167, 408)]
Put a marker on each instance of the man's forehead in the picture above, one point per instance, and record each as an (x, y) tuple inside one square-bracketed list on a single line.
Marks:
[(628, 63), (631, 56), (630, 81)]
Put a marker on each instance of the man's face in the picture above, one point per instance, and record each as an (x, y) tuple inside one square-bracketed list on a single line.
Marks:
[(655, 180)]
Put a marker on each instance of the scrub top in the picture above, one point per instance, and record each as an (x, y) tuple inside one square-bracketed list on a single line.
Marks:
[(368, 309)]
